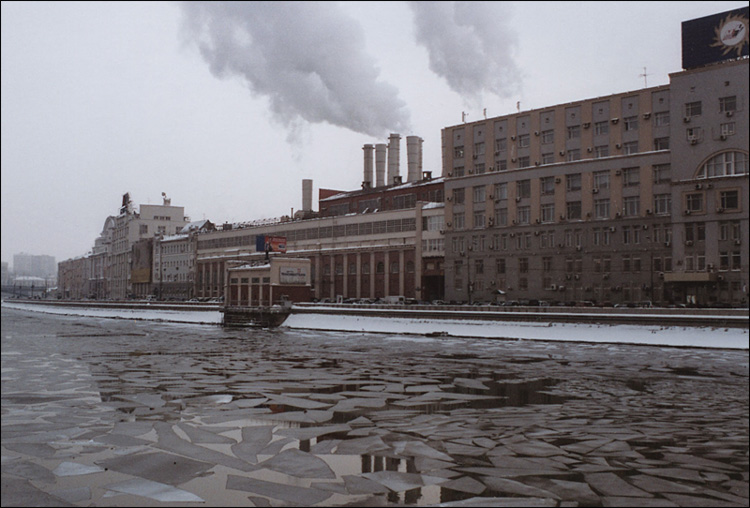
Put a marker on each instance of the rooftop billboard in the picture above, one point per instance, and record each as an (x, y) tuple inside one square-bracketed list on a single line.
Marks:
[(715, 38)]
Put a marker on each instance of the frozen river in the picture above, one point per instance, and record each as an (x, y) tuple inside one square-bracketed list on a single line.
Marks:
[(117, 412)]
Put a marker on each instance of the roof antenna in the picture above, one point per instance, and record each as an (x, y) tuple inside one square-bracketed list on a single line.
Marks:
[(645, 77)]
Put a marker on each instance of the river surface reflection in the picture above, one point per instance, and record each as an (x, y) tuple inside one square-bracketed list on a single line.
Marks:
[(107, 412)]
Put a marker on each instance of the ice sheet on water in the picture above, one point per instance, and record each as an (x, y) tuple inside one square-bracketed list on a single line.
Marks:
[(198, 435), (305, 433), (254, 439), (396, 480), (296, 496), (361, 446), (75, 469), (158, 466), (155, 490), (301, 464)]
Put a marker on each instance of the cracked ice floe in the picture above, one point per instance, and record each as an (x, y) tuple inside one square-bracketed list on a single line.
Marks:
[(158, 466), (74, 469), (155, 490), (300, 464), (296, 496)]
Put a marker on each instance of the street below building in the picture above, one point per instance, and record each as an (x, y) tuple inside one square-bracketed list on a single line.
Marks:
[(121, 412)]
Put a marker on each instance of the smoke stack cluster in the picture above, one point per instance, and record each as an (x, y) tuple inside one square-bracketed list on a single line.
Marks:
[(392, 151)]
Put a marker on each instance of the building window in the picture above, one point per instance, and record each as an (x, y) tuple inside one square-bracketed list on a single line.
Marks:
[(478, 148), (631, 177), (394, 267), (573, 155), (661, 144), (352, 268), (693, 109), (501, 191), (144, 229), (729, 200), (662, 204), (662, 173), (601, 128), (694, 134), (479, 194), (459, 196), (479, 219), (573, 182), (459, 221), (523, 141), (601, 208), (630, 123), (573, 210), (661, 118), (548, 137), (727, 104), (501, 145), (501, 164), (601, 151), (547, 185), (601, 180), (631, 206), (727, 129), (524, 162), (523, 265), (501, 217), (458, 152), (630, 148), (479, 169), (724, 164), (523, 215), (574, 132), (548, 158), (694, 202), (523, 188), (458, 171), (548, 212), (500, 266)]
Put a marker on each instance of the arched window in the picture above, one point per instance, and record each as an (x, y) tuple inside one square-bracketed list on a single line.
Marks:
[(724, 164)]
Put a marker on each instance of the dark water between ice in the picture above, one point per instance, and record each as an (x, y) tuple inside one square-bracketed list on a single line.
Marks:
[(110, 412)]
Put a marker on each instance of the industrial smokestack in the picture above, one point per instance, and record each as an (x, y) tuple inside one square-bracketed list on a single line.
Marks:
[(394, 152), (414, 158), (380, 164), (307, 187), (367, 179)]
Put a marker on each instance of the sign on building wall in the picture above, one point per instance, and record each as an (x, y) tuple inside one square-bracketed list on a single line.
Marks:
[(267, 243), (715, 38), (292, 275)]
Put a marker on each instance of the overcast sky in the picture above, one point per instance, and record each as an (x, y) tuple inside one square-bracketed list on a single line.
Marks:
[(227, 108)]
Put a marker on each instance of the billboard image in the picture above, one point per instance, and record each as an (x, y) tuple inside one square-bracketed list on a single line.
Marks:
[(715, 38), (268, 243)]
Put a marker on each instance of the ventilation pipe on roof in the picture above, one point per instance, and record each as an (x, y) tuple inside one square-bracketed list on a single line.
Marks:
[(394, 151), (380, 164)]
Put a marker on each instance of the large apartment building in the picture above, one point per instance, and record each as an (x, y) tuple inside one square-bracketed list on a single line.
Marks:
[(635, 196)]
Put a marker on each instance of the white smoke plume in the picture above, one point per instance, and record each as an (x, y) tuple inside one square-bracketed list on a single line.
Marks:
[(470, 45), (307, 58)]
